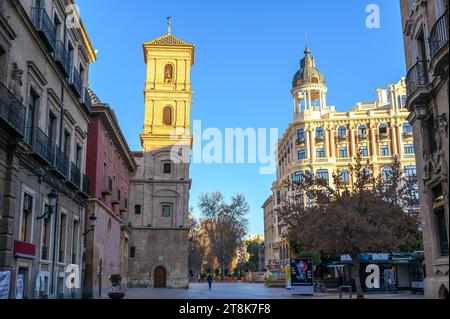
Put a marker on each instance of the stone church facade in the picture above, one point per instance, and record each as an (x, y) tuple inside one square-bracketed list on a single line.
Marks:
[(159, 195)]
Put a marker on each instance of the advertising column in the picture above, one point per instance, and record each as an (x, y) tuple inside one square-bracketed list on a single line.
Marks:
[(302, 280)]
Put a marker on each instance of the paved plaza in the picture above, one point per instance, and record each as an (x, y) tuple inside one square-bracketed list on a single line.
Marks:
[(242, 291)]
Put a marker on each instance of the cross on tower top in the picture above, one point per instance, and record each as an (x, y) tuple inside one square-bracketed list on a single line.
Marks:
[(169, 26)]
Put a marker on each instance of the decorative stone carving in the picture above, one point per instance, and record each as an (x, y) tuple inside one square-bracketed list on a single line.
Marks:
[(442, 124), (15, 84)]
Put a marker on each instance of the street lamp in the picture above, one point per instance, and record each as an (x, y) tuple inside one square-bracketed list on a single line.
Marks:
[(52, 196), (93, 220), (421, 111)]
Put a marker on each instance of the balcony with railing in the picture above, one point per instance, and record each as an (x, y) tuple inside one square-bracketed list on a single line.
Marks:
[(439, 39), (86, 186), (75, 176), (42, 146), (417, 81), (107, 187), (300, 141), (12, 113), (76, 82), (60, 163), (86, 100), (62, 58), (320, 139), (362, 137), (44, 27), (342, 137), (116, 197)]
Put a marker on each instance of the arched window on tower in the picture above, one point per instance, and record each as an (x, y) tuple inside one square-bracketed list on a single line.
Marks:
[(168, 73), (167, 115)]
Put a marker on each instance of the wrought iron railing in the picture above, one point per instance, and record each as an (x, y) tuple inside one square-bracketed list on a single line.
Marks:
[(417, 76), (86, 100), (75, 175), (12, 110), (86, 187), (439, 34), (76, 81), (44, 25), (300, 141), (61, 162), (41, 144), (62, 57)]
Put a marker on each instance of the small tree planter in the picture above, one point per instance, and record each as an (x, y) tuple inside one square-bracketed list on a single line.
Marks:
[(116, 279), (116, 295)]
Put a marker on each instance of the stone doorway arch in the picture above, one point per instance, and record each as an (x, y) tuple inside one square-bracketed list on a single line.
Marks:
[(160, 277)]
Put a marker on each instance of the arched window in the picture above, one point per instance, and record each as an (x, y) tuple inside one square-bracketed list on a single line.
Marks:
[(382, 129), (386, 173), (345, 176), (319, 132), (168, 73), (362, 130), (407, 129), (314, 80), (167, 115), (322, 174), (342, 131)]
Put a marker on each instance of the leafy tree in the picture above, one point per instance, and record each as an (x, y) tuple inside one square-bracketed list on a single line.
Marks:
[(254, 245), (374, 215), (226, 224)]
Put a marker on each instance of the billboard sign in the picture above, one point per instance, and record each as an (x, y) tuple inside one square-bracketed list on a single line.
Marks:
[(302, 280)]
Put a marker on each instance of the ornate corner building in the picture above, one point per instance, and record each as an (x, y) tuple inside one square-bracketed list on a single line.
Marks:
[(425, 29), (321, 140), (159, 195)]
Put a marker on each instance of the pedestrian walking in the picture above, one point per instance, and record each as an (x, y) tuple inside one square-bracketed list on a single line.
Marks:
[(210, 279)]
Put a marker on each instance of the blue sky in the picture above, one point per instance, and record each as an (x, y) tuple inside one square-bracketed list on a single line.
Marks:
[(247, 53)]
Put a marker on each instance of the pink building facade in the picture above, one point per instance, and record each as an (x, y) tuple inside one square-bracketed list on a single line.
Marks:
[(109, 165)]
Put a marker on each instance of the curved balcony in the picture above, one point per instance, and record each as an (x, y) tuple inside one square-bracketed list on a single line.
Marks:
[(438, 43), (417, 83)]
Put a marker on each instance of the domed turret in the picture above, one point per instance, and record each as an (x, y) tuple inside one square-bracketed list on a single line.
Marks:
[(308, 87), (308, 73)]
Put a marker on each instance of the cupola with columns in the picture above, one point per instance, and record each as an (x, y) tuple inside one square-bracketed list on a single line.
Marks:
[(309, 89)]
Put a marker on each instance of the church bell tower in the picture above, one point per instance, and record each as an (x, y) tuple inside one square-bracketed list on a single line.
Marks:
[(168, 93)]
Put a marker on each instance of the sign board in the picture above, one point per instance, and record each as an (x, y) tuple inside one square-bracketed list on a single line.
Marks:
[(302, 280), (5, 280), (380, 257)]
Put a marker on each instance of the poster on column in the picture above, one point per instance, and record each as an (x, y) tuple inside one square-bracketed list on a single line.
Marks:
[(302, 280), (5, 280)]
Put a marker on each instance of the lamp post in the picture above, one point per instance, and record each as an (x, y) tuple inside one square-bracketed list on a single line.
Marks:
[(93, 221), (421, 111), (52, 197)]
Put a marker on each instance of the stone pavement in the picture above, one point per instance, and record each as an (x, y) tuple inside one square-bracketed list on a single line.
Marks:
[(242, 291)]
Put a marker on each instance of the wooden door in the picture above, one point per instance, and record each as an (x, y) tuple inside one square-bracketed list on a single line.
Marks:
[(160, 277)]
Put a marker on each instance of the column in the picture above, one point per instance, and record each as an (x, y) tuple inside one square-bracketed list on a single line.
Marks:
[(333, 143), (309, 99), (394, 140), (352, 142), (307, 144), (400, 141), (373, 143), (327, 144), (312, 145)]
